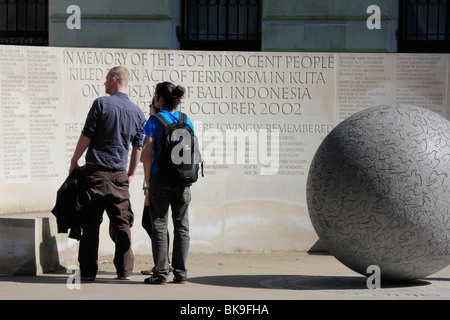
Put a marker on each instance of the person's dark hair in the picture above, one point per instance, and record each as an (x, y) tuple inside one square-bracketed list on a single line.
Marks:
[(171, 94), (153, 105)]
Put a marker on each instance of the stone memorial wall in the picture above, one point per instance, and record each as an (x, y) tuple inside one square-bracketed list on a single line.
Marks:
[(259, 117)]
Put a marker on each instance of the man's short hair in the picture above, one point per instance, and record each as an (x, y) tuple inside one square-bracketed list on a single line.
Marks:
[(122, 75)]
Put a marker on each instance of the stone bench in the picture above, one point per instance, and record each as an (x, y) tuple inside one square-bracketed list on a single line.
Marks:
[(30, 245)]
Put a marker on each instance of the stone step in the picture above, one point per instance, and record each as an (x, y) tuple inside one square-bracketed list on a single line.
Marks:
[(30, 245)]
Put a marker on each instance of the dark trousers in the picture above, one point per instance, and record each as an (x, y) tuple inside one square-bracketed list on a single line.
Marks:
[(147, 225), (146, 221), (162, 195), (106, 190)]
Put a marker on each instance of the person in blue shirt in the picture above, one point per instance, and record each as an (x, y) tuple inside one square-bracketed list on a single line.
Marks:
[(146, 221), (163, 193)]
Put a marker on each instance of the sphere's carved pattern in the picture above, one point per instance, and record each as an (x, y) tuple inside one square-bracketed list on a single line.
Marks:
[(378, 192)]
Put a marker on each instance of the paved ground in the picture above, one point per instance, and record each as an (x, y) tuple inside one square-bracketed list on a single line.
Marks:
[(254, 277)]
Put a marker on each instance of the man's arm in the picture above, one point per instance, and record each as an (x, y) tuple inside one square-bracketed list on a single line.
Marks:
[(82, 145), (143, 151), (147, 158), (134, 162)]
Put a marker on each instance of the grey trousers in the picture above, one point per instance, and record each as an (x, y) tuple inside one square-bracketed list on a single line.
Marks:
[(161, 195)]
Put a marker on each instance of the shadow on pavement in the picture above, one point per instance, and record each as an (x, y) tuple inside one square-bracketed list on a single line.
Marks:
[(286, 282), (297, 282), (61, 277)]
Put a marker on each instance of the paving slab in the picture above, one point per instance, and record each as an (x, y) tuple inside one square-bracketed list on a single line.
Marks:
[(228, 277)]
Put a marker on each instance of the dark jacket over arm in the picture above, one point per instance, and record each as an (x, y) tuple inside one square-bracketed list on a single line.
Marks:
[(67, 209)]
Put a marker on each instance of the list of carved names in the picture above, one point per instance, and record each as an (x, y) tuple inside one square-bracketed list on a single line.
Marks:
[(385, 79), (29, 114)]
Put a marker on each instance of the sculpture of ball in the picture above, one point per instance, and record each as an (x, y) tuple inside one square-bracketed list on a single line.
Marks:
[(378, 192)]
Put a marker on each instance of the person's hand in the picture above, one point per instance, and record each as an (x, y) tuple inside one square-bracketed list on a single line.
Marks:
[(146, 201), (74, 166)]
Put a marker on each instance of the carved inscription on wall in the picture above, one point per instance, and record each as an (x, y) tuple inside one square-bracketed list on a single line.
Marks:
[(259, 113), (14, 116), (364, 80), (370, 80), (30, 108), (255, 113), (421, 81)]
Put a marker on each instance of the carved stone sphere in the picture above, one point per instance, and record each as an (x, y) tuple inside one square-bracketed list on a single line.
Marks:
[(378, 192)]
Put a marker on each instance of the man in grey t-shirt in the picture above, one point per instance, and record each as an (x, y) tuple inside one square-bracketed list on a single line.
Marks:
[(112, 124)]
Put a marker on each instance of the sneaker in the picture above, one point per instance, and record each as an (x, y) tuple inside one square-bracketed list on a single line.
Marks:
[(179, 281), (150, 272), (153, 280), (122, 278), (147, 272)]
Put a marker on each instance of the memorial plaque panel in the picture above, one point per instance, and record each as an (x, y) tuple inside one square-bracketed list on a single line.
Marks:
[(259, 117), (364, 80), (422, 81)]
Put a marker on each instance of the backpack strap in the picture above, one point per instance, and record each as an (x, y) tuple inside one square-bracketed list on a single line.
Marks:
[(161, 119), (165, 123), (183, 118)]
